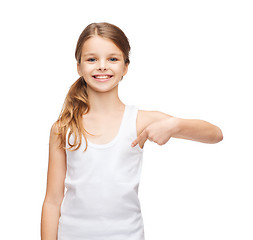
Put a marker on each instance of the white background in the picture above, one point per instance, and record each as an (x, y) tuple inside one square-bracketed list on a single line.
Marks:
[(189, 59)]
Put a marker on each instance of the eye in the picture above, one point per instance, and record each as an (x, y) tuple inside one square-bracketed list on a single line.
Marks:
[(91, 59), (115, 59)]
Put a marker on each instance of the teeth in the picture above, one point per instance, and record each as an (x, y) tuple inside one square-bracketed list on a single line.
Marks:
[(102, 76)]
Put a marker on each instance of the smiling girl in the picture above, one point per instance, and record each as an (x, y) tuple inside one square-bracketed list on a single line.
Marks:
[(96, 146)]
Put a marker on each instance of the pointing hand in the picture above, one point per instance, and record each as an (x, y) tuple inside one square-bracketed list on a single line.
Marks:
[(159, 132)]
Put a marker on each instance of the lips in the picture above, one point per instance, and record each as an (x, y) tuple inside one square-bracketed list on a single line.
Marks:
[(102, 77)]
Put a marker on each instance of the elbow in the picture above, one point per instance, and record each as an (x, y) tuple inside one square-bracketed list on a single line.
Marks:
[(218, 135)]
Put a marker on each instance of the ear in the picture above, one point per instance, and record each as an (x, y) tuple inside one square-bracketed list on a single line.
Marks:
[(125, 69), (79, 70)]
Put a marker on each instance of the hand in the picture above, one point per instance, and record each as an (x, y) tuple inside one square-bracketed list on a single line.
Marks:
[(159, 132)]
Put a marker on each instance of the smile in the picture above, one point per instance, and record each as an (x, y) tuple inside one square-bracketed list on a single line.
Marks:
[(102, 78)]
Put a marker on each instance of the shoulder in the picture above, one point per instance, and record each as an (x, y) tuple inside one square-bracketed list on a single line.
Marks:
[(54, 128)]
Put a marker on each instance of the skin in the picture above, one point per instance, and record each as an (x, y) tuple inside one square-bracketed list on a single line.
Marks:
[(103, 96), (105, 116), (165, 126), (154, 126)]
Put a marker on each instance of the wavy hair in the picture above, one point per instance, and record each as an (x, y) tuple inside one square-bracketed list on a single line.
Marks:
[(76, 103)]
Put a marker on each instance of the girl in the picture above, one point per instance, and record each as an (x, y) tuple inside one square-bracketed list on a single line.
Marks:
[(96, 146)]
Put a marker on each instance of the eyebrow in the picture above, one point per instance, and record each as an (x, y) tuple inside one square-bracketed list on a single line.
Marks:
[(88, 54)]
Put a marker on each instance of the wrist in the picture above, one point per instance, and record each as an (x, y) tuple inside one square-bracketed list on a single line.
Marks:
[(175, 125)]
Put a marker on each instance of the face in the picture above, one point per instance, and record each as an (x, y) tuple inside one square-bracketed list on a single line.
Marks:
[(102, 64)]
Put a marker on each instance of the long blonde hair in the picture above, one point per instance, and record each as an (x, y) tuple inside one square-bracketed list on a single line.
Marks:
[(76, 102)]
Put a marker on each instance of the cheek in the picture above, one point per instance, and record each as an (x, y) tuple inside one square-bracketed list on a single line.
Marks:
[(118, 69), (86, 69)]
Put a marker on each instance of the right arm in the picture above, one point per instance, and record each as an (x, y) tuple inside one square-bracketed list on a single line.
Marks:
[(55, 188)]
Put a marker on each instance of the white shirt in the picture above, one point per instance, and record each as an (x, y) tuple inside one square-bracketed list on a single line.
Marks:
[(101, 201)]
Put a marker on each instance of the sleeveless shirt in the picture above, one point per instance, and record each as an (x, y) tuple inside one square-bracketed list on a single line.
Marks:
[(101, 199)]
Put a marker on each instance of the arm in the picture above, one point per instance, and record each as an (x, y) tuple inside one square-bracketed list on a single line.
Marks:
[(159, 127), (197, 130), (55, 188)]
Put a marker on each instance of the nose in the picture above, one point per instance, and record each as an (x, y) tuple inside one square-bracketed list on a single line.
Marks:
[(101, 65)]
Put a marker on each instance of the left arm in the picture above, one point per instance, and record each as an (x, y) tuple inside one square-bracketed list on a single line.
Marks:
[(161, 127), (196, 130)]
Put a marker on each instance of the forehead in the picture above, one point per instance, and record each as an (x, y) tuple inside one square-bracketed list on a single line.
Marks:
[(100, 45)]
